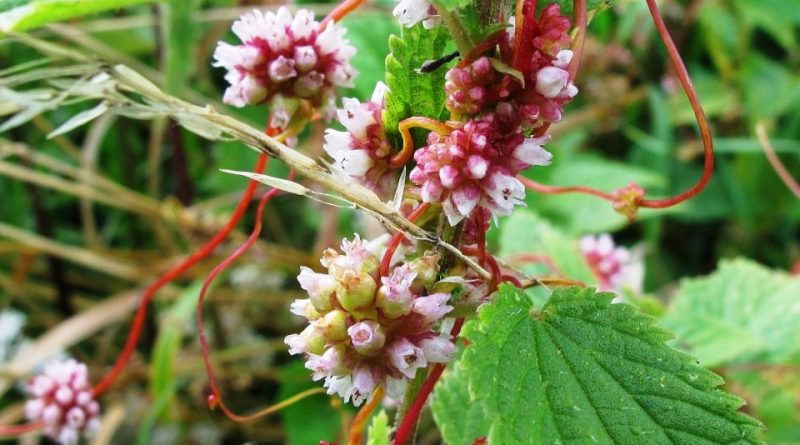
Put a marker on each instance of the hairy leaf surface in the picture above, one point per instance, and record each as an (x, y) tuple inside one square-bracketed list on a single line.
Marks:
[(412, 93), (741, 312), (583, 370)]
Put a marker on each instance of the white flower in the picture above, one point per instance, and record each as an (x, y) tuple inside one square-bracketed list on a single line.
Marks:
[(406, 357), (411, 12)]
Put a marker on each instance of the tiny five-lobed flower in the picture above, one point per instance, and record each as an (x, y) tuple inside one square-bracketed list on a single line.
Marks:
[(615, 267)]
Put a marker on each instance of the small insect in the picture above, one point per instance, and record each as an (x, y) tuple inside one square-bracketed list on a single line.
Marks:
[(430, 66)]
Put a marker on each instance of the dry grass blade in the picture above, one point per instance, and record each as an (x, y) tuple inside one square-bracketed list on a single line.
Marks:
[(69, 332)]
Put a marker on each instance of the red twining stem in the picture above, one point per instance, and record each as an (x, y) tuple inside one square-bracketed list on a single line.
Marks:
[(694, 101), (340, 11), (579, 18), (555, 190), (16, 430), (700, 117), (215, 399), (407, 426), (394, 243), (150, 292), (775, 161)]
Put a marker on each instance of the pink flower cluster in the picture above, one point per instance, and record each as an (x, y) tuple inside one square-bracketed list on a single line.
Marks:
[(615, 267), (476, 165), (287, 57), (365, 330), (62, 398), (362, 152)]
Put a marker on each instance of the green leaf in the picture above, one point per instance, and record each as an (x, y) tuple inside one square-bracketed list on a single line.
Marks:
[(742, 312), (21, 15), (411, 93), (168, 343), (378, 433), (460, 418), (526, 232), (311, 419), (583, 370)]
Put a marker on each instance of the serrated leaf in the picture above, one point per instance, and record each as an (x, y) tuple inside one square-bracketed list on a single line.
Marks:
[(411, 93), (378, 433), (21, 15), (583, 370), (461, 419), (742, 312)]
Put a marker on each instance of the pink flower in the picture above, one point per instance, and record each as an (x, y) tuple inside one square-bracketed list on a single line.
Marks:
[(615, 267), (62, 398), (432, 308), (285, 56), (329, 363), (395, 297), (362, 152), (367, 337), (406, 357), (468, 88), (476, 165)]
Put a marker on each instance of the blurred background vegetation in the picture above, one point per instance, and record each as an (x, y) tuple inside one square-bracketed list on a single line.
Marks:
[(90, 217)]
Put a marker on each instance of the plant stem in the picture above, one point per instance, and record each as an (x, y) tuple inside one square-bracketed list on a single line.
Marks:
[(453, 23)]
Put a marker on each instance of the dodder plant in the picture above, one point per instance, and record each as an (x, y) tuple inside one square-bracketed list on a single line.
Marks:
[(436, 155)]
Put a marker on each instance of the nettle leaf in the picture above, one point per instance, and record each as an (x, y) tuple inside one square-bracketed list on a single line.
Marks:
[(378, 433), (742, 312), (411, 93), (460, 419), (583, 370), (21, 15)]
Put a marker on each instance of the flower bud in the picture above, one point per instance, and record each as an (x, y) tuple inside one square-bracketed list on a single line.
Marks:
[(334, 325), (367, 337), (395, 297), (550, 81), (426, 269), (310, 341), (355, 290), (320, 288)]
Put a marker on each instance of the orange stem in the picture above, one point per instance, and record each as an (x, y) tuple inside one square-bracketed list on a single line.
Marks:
[(340, 11), (401, 158), (357, 427)]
